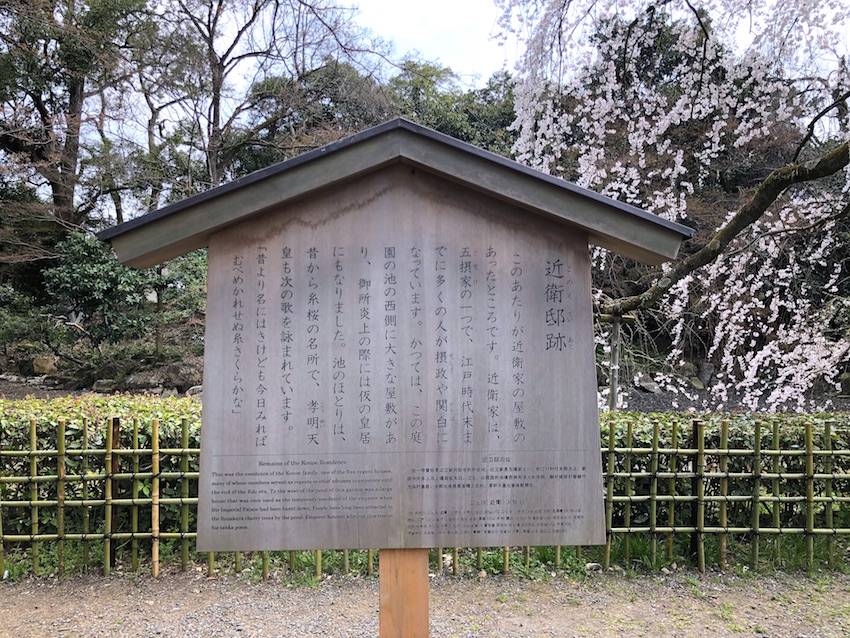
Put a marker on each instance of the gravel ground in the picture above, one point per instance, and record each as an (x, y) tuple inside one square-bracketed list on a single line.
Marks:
[(682, 605)]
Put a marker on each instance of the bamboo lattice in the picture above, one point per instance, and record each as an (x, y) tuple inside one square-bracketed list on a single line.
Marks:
[(758, 487)]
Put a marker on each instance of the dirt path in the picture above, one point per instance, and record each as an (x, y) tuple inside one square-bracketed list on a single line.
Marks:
[(680, 605)]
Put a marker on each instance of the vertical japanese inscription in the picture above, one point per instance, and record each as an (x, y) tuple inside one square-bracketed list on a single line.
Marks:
[(416, 366), (287, 338), (262, 353), (443, 364), (339, 368), (398, 388), (467, 347), (366, 341), (557, 294), (314, 419), (492, 329), (238, 333), (517, 385), (389, 303)]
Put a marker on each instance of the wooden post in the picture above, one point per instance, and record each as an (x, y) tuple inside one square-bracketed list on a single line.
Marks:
[(155, 497), (614, 365), (614, 380), (114, 468), (609, 494), (830, 523), (107, 498), (60, 495), (184, 495), (671, 490), (724, 489), (134, 491), (755, 512), (84, 471), (2, 546), (33, 496), (775, 467), (403, 577), (653, 494), (627, 514), (694, 547), (700, 491), (810, 499)]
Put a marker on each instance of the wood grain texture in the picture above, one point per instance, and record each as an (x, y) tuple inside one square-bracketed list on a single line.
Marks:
[(403, 575), (400, 362)]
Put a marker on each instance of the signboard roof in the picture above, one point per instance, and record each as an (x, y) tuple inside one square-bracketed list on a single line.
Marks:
[(186, 225)]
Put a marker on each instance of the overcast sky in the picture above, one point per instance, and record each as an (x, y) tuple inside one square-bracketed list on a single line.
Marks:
[(455, 32)]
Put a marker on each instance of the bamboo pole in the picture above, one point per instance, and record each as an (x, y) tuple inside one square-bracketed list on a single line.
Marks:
[(653, 495), (609, 494), (60, 495), (557, 557), (775, 465), (210, 564), (627, 512), (134, 490), (346, 564), (33, 495), (2, 543), (265, 556), (828, 464), (184, 493), (155, 497), (107, 497), (84, 469), (479, 558), (291, 561), (526, 556), (671, 489), (116, 459), (756, 506), (237, 562), (700, 523), (724, 488), (506, 559), (810, 495)]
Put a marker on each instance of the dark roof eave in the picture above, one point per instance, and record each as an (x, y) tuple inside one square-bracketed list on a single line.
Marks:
[(367, 151)]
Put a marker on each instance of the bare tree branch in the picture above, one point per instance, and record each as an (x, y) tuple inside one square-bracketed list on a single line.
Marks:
[(811, 128)]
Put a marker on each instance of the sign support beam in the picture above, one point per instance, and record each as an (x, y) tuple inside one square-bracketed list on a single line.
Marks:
[(403, 578)]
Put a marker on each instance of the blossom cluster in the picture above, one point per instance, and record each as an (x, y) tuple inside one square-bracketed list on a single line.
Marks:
[(682, 109)]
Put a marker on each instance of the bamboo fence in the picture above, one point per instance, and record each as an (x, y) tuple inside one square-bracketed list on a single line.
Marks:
[(763, 487)]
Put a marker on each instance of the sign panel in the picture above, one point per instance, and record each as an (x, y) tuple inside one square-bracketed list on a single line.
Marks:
[(399, 362)]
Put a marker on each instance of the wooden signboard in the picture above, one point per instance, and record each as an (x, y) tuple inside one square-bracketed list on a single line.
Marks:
[(399, 352), (399, 362)]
